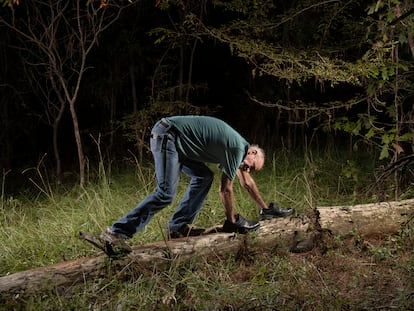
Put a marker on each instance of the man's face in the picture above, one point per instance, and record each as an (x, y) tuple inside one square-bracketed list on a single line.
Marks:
[(253, 161)]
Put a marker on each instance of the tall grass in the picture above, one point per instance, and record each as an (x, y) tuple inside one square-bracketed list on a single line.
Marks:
[(41, 227)]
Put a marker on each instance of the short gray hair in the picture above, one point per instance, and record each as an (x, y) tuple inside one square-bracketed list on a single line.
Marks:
[(261, 152)]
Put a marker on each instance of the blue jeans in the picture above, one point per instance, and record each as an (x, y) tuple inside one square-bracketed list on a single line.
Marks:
[(168, 167)]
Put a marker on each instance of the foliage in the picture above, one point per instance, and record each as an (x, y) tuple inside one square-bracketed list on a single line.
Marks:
[(383, 72), (333, 45), (274, 39), (329, 43), (9, 3)]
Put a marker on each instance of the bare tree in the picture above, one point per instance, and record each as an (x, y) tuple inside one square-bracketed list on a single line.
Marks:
[(56, 38)]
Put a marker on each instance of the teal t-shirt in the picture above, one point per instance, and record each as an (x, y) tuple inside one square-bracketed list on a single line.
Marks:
[(208, 139)]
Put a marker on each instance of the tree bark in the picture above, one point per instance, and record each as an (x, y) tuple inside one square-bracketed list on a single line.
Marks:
[(368, 219), (55, 126), (78, 139)]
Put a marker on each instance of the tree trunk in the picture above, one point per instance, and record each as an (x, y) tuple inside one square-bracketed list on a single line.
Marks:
[(378, 218), (81, 157), (55, 126)]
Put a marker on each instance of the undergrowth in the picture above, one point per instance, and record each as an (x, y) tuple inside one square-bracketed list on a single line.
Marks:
[(40, 227)]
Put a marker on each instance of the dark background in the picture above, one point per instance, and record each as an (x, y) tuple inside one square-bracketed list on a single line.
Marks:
[(222, 81)]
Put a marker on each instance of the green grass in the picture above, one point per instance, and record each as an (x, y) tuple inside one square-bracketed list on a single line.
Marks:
[(40, 227)]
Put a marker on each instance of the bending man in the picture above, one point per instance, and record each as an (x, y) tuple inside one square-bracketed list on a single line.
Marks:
[(185, 144)]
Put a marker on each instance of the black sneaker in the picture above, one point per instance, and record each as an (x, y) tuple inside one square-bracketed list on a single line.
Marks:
[(115, 245), (241, 225), (274, 211), (185, 231)]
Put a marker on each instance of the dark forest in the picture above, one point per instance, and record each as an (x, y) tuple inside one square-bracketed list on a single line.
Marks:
[(82, 80), (325, 87)]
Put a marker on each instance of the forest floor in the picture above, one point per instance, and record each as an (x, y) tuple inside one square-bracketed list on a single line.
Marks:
[(347, 273)]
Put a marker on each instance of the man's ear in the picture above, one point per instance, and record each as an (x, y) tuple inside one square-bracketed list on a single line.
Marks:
[(252, 151)]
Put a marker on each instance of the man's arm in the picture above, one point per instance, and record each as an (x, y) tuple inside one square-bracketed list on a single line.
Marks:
[(227, 197), (248, 183)]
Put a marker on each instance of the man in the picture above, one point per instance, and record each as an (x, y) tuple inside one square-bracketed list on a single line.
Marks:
[(185, 144)]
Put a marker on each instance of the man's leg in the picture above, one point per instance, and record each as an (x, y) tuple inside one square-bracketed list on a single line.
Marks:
[(197, 190), (167, 168)]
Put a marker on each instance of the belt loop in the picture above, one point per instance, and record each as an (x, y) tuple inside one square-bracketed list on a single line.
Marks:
[(164, 124), (169, 129)]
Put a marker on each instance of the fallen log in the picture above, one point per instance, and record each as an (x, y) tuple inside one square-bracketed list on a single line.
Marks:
[(378, 218), (366, 219), (156, 255)]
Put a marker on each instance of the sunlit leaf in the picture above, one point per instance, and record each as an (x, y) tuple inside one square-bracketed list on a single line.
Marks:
[(384, 152)]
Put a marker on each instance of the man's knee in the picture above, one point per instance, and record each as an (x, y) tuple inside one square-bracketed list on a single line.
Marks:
[(164, 197)]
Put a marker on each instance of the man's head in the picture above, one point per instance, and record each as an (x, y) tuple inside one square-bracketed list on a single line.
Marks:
[(254, 159)]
